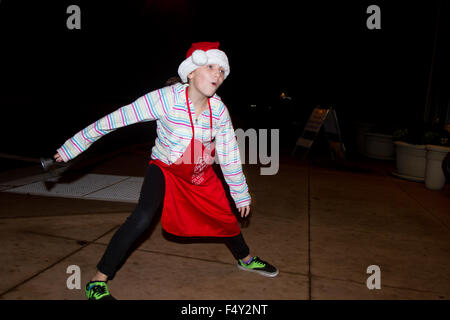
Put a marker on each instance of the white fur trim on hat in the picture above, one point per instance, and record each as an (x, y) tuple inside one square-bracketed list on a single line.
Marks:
[(200, 58)]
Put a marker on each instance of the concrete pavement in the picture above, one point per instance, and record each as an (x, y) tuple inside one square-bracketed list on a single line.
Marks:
[(321, 225)]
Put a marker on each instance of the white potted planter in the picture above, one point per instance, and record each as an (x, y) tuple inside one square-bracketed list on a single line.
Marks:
[(434, 175), (379, 146), (411, 161)]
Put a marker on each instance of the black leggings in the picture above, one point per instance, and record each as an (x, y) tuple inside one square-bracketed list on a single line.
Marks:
[(152, 195)]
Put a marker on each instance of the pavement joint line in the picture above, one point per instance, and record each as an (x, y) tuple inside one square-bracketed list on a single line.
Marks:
[(69, 196), (208, 260), (425, 209), (290, 220), (266, 215), (67, 215), (198, 259), (308, 190), (88, 242), (392, 235), (61, 237), (52, 265), (382, 286)]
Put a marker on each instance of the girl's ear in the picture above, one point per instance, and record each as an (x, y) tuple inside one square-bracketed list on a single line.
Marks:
[(191, 74)]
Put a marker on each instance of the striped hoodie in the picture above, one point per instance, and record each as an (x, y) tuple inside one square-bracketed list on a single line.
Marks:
[(174, 133)]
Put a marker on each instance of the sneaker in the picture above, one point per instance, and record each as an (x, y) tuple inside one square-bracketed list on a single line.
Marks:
[(257, 265), (97, 290)]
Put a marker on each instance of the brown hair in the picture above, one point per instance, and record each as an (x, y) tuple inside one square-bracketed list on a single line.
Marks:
[(173, 80)]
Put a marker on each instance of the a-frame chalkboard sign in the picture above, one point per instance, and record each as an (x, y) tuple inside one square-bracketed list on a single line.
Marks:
[(327, 118)]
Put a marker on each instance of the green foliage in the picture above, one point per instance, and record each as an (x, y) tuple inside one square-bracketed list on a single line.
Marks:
[(424, 135)]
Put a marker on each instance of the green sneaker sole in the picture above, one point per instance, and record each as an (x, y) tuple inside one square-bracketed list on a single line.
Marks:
[(99, 291), (261, 272)]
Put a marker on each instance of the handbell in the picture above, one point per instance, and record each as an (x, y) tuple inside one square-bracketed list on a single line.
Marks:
[(47, 163)]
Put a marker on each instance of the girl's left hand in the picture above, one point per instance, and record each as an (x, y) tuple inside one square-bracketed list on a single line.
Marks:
[(244, 211)]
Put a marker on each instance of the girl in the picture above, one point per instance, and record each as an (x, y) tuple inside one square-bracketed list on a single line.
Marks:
[(180, 175)]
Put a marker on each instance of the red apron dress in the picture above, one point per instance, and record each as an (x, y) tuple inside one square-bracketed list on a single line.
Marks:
[(195, 203)]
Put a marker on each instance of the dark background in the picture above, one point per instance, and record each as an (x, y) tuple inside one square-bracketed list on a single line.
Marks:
[(57, 81)]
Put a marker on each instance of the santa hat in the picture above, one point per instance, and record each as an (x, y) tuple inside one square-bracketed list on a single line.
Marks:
[(200, 54)]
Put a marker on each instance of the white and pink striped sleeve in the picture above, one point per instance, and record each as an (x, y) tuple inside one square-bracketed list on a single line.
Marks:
[(227, 150), (146, 108)]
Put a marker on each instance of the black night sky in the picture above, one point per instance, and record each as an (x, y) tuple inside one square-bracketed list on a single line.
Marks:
[(56, 81)]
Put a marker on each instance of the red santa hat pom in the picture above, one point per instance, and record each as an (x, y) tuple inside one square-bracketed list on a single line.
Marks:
[(200, 54)]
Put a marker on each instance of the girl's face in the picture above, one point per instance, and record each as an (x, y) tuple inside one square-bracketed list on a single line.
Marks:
[(207, 79)]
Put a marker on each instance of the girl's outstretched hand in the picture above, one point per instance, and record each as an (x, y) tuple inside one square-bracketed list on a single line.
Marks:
[(58, 158), (244, 211)]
